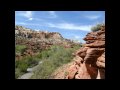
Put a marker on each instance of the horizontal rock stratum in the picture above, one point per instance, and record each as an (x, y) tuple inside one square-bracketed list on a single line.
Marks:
[(36, 41), (28, 33), (89, 62)]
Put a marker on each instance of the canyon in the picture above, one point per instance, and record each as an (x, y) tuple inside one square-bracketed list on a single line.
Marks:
[(88, 61)]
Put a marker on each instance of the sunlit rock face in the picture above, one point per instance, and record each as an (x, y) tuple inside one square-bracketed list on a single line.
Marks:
[(89, 61)]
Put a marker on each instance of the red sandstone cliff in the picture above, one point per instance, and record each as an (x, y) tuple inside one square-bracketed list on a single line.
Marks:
[(89, 61)]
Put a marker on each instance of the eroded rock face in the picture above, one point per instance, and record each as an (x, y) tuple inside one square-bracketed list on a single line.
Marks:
[(89, 61), (28, 33), (36, 41)]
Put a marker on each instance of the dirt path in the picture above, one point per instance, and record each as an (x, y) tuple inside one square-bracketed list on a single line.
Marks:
[(26, 76), (30, 72)]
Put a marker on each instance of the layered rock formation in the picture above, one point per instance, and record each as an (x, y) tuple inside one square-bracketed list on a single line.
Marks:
[(89, 61), (37, 41), (28, 33)]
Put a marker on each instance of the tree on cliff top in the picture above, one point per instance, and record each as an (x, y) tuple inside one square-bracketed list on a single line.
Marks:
[(97, 27)]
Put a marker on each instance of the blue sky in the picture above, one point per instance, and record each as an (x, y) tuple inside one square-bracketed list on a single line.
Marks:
[(71, 24)]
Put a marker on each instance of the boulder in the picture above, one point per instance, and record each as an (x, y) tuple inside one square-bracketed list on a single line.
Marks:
[(72, 71)]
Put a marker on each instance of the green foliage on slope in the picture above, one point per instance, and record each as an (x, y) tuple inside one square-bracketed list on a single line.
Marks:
[(19, 48), (97, 27), (22, 65), (52, 59)]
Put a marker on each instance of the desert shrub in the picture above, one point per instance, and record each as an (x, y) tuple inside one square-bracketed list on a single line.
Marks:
[(18, 73), (52, 58), (32, 62), (58, 56), (97, 27), (44, 70), (19, 48), (22, 65), (20, 68)]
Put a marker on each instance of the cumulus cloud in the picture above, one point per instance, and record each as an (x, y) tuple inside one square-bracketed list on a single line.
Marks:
[(27, 14)]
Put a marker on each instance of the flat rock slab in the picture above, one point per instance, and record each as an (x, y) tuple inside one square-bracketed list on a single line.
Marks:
[(26, 76)]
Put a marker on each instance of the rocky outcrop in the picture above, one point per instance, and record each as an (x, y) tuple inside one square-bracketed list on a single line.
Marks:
[(36, 41), (89, 61), (28, 33)]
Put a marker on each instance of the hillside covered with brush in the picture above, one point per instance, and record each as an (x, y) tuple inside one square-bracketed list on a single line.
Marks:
[(46, 50)]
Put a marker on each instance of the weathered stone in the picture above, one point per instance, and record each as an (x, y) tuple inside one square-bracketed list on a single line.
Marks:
[(93, 57), (100, 64), (72, 71), (96, 44), (82, 52), (101, 58), (78, 60), (93, 54)]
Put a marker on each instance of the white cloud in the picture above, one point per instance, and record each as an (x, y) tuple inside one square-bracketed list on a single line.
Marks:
[(52, 14), (93, 17), (65, 26), (30, 19), (70, 26), (27, 14)]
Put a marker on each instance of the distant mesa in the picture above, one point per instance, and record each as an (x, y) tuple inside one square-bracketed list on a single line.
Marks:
[(29, 33)]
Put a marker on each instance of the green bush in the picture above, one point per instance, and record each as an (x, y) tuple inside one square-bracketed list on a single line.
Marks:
[(22, 65), (52, 58), (32, 62), (58, 56), (20, 68), (19, 48), (18, 73), (97, 27)]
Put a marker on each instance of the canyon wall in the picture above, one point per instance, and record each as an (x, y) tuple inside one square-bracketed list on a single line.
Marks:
[(89, 61)]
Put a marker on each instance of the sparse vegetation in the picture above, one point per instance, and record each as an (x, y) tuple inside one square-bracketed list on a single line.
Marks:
[(22, 65), (19, 48), (53, 58), (97, 27), (65, 74), (53, 50)]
